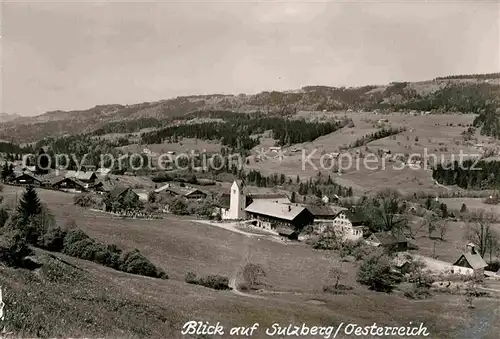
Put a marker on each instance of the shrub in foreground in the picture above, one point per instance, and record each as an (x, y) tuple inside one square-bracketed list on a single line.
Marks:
[(217, 282)]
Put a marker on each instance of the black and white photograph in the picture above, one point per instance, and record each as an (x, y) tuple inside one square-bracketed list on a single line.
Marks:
[(250, 169)]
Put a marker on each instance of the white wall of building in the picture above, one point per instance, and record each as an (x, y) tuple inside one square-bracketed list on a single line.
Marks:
[(237, 203)]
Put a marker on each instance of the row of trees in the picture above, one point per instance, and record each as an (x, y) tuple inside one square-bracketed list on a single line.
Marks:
[(382, 133), (468, 174)]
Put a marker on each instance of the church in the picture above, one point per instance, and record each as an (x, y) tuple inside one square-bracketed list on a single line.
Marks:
[(271, 211)]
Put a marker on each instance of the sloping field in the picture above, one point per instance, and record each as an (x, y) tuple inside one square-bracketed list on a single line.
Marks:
[(103, 302)]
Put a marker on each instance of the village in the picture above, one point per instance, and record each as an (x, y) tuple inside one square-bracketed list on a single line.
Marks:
[(245, 208)]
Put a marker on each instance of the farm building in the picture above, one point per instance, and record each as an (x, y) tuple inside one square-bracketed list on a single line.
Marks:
[(280, 198), (471, 259), (285, 219), (85, 177), (27, 179), (121, 196), (388, 240), (325, 212), (102, 187), (344, 222), (188, 193), (67, 184)]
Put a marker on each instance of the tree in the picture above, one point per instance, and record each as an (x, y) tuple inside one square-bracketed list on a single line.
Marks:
[(463, 209), (7, 171), (179, 207), (431, 222), (293, 198), (384, 211), (4, 216), (376, 272), (252, 273), (442, 228), (480, 232), (29, 204), (335, 275), (42, 162)]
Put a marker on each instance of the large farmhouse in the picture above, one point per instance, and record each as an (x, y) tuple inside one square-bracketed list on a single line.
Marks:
[(271, 211), (285, 219), (178, 192)]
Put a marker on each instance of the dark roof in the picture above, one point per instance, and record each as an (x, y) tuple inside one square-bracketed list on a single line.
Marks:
[(322, 210), (103, 185), (475, 261), (118, 190), (352, 216), (57, 180), (386, 238), (28, 175), (224, 200)]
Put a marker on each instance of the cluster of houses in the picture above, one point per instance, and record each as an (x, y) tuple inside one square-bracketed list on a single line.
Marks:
[(75, 181), (269, 211), (275, 212)]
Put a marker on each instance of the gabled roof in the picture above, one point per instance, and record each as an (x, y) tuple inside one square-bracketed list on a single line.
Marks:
[(275, 210), (80, 175), (323, 210), (162, 188), (118, 190), (386, 238), (182, 191), (475, 261), (34, 177), (56, 180), (103, 170), (105, 186), (224, 200), (353, 217)]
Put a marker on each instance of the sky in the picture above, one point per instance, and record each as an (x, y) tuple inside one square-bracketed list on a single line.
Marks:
[(75, 55)]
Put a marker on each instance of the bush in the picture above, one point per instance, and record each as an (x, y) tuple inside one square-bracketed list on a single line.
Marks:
[(339, 289), (252, 274), (78, 244), (418, 293), (376, 273), (13, 249), (84, 200), (136, 263), (179, 207), (191, 278), (53, 240), (217, 282)]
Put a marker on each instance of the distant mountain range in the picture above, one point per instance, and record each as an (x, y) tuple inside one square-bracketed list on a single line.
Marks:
[(5, 117), (461, 93)]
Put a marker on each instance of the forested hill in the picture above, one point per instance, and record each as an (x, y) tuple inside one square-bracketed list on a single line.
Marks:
[(463, 93)]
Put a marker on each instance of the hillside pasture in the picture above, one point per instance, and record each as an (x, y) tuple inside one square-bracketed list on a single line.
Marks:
[(437, 136)]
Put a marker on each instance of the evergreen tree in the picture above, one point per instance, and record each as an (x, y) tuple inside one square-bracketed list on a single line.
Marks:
[(293, 198), (30, 204), (5, 171), (42, 162), (463, 209)]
